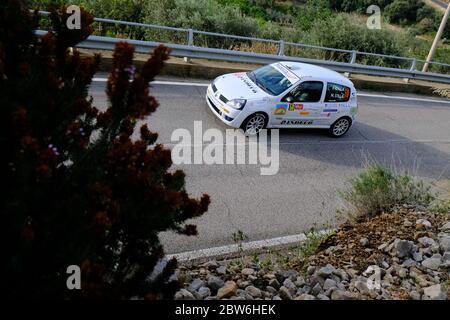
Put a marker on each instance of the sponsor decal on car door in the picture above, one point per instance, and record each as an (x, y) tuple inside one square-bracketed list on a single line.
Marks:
[(305, 106), (298, 114)]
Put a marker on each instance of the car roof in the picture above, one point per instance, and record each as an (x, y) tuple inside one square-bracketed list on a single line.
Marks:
[(304, 70)]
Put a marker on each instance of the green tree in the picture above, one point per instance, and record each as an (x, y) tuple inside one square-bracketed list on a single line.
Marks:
[(340, 32), (359, 6), (311, 12), (78, 188), (211, 16), (403, 11)]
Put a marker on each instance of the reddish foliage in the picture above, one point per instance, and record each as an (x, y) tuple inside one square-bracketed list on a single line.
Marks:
[(79, 187)]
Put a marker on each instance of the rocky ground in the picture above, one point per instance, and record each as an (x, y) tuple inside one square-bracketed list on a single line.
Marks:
[(404, 254)]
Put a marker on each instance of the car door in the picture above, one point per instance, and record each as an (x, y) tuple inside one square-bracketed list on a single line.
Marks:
[(300, 107), (336, 102)]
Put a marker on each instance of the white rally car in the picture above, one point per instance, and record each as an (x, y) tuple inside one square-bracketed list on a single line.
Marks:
[(284, 95)]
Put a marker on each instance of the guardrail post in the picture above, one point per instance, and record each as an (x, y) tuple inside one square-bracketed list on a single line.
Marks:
[(352, 61), (190, 42), (412, 68), (413, 64), (190, 37), (281, 48)]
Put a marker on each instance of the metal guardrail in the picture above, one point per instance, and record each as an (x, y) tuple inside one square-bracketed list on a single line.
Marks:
[(189, 50)]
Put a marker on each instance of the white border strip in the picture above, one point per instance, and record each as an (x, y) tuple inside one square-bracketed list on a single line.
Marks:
[(312, 142), (229, 250), (234, 250), (401, 98), (168, 83), (198, 84)]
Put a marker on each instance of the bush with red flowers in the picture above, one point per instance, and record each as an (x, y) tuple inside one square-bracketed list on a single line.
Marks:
[(78, 189)]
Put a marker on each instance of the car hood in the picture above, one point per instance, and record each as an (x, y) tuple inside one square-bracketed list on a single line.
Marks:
[(238, 86)]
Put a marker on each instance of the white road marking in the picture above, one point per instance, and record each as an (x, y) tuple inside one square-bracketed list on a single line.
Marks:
[(169, 83), (342, 141), (198, 84), (230, 251), (401, 98)]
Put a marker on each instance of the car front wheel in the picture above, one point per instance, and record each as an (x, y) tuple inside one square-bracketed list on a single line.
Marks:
[(340, 127), (254, 124)]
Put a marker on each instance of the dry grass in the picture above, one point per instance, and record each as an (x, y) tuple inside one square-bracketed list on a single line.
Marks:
[(259, 47), (443, 92)]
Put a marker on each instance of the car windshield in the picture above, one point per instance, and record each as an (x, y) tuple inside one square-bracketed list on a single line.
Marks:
[(270, 80)]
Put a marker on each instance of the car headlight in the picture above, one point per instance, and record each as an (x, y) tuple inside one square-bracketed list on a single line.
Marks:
[(237, 104)]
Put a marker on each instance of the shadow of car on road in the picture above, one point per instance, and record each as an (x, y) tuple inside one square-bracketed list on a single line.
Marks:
[(365, 143)]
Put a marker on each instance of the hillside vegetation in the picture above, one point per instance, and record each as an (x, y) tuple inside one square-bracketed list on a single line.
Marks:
[(408, 26)]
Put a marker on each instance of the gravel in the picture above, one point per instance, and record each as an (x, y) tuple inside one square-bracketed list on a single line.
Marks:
[(401, 261)]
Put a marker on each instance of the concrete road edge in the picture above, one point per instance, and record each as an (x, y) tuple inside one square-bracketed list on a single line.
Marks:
[(235, 250)]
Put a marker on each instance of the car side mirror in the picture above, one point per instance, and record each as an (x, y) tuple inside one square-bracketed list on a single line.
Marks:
[(289, 99)]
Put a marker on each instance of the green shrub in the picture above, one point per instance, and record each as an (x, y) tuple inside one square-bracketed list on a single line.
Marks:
[(442, 207), (272, 30), (426, 25), (310, 12), (427, 12), (340, 32), (378, 189), (359, 6), (262, 10), (204, 15), (314, 239), (45, 4), (128, 10), (211, 16), (403, 11)]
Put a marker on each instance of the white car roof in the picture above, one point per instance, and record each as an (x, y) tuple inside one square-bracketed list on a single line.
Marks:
[(304, 70)]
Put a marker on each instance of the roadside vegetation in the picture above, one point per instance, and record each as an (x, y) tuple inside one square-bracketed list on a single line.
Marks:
[(408, 26), (65, 165), (284, 258), (374, 192), (397, 249), (378, 189)]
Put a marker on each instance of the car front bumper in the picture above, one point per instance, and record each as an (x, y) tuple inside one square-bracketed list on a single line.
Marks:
[(228, 115)]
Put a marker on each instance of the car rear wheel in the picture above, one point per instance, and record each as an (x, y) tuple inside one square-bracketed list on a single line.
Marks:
[(340, 127), (254, 124)]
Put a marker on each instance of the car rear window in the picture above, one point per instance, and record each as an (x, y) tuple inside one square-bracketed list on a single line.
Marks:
[(337, 93)]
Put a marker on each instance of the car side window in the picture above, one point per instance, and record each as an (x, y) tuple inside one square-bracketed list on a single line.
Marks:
[(308, 91), (337, 93)]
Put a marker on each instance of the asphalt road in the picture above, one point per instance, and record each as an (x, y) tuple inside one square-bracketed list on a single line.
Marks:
[(409, 134)]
